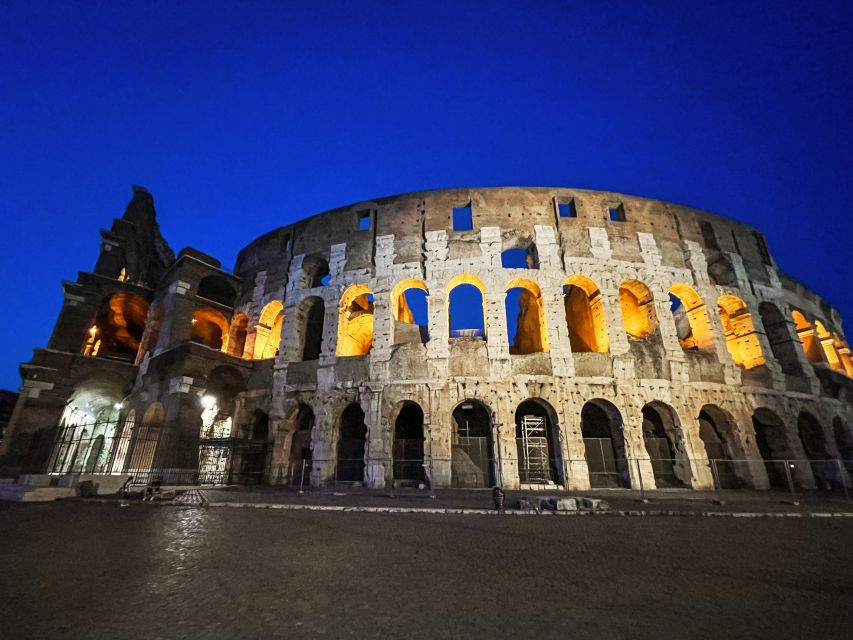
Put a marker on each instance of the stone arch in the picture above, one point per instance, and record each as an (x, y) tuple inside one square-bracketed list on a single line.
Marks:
[(519, 252), (772, 440), (639, 317), (310, 325), (465, 293), (812, 436), (210, 328), (118, 327), (806, 334), (314, 272), (692, 324), (268, 330), (300, 449), (718, 432), (721, 271), (843, 350), (664, 440), (531, 329), (473, 463), (780, 338), (408, 449), (237, 335), (537, 433), (218, 289), (355, 321), (603, 435), (741, 337), (585, 315), (407, 327), (826, 341), (352, 440)]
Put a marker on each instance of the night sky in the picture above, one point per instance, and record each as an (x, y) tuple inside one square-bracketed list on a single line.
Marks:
[(242, 117)]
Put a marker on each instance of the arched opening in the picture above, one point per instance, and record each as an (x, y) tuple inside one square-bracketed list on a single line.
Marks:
[(472, 447), (520, 257), (300, 449), (117, 329), (664, 445), (843, 350), (87, 430), (716, 429), (773, 445), (209, 327), (844, 441), (721, 272), (540, 460), (253, 452), (780, 338), (604, 444), (122, 445), (741, 337), (355, 321), (525, 317), (217, 289), (806, 334), (237, 336), (409, 308), (143, 445), (691, 319), (409, 444), (311, 317), (811, 434), (585, 315), (314, 273), (465, 308), (218, 415), (351, 445), (828, 346), (638, 309), (268, 330)]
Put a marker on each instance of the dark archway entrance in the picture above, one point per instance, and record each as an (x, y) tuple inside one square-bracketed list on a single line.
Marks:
[(351, 445), (661, 440), (825, 471), (773, 446), (604, 442), (537, 440), (844, 442), (472, 453), (409, 445), (300, 447), (715, 430)]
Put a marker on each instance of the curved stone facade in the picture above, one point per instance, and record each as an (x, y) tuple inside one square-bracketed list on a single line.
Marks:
[(641, 341)]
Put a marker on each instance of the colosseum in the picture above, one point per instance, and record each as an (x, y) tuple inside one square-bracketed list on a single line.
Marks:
[(525, 337)]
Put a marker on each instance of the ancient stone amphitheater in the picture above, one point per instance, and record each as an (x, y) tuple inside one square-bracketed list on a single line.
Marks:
[(533, 337)]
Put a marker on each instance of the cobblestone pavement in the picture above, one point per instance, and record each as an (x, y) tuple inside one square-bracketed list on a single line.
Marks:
[(78, 570)]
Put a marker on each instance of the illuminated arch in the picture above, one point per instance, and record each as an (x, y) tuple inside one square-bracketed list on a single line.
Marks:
[(828, 346), (638, 309), (585, 315), (454, 313), (402, 295), (118, 327), (691, 318), (268, 331), (843, 354), (210, 328), (532, 333), (355, 321), (739, 330), (399, 307), (237, 335), (806, 334)]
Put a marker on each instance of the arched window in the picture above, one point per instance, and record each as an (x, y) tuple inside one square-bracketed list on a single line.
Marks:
[(604, 445), (209, 327), (776, 326), (355, 321), (217, 289), (638, 309), (691, 319), (268, 331), (828, 346), (467, 315), (585, 315), (311, 317), (741, 338), (237, 336), (525, 317), (118, 327), (843, 354), (806, 333), (351, 442), (525, 257), (409, 444), (314, 273), (664, 443), (409, 309)]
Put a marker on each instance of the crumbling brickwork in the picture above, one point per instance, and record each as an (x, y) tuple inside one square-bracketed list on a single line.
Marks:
[(649, 339)]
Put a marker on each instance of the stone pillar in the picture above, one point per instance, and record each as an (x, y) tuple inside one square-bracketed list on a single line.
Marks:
[(377, 463)]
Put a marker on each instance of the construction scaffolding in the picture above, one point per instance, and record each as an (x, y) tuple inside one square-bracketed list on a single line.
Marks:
[(534, 467)]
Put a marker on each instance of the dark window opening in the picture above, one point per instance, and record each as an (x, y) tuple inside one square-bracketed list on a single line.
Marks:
[(567, 209), (709, 236), (364, 220), (617, 213), (463, 218), (286, 242)]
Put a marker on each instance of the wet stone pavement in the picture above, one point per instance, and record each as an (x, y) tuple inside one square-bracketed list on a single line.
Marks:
[(99, 570)]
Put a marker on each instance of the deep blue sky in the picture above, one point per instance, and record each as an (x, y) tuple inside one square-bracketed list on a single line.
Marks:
[(243, 117)]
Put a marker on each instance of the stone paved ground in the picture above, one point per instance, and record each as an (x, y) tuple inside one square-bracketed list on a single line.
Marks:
[(78, 570)]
